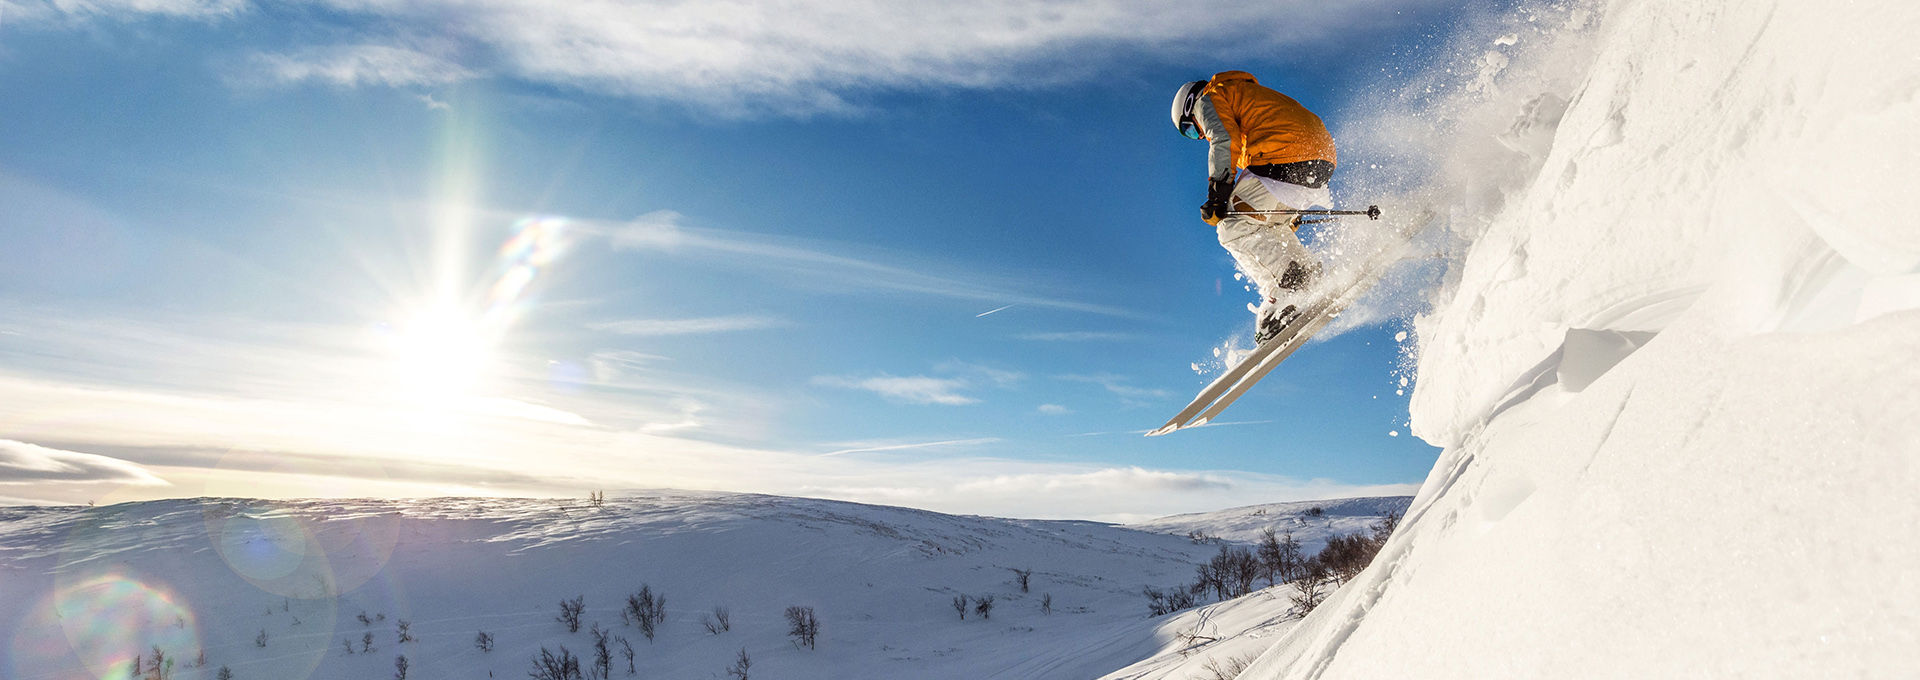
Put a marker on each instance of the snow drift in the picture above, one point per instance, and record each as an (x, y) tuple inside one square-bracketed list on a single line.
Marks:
[(1673, 364)]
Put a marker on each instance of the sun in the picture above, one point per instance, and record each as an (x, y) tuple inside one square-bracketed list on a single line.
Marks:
[(441, 351)]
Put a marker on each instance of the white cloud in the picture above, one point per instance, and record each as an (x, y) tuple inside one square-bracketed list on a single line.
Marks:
[(356, 65), (1126, 479), (191, 9), (1054, 409), (913, 389), (713, 324), (23, 463), (1076, 336), (810, 263), (1118, 386), (868, 448), (799, 57)]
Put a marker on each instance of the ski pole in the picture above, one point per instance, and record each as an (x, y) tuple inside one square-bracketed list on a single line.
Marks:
[(1372, 212)]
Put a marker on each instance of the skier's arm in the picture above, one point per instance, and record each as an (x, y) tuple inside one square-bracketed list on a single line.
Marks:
[(1219, 140)]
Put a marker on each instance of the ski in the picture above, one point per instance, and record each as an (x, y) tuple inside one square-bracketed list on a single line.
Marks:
[(1223, 391)]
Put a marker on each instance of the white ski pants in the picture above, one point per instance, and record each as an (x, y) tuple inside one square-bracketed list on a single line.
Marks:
[(1264, 245)]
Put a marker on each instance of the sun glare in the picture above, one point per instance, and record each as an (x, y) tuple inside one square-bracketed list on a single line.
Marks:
[(441, 352)]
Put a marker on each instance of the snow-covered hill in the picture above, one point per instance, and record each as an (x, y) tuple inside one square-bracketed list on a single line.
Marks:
[(87, 589), (1673, 363)]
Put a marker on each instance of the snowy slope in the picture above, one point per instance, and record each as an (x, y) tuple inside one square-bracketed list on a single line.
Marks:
[(1674, 366), (1310, 527), (87, 588)]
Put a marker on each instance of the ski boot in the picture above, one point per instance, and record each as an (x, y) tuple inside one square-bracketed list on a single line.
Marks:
[(1273, 318)]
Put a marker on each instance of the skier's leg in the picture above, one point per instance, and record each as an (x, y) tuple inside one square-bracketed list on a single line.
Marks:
[(1264, 246)]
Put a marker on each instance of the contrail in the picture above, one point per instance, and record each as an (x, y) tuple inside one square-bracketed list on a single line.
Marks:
[(989, 312)]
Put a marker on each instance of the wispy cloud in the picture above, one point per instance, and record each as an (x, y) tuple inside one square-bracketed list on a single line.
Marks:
[(23, 463), (1054, 409), (1076, 336), (357, 65), (795, 57), (1118, 386), (950, 443), (816, 263), (712, 324), (912, 389)]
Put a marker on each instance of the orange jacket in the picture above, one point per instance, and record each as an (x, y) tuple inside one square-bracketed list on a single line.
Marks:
[(1266, 126)]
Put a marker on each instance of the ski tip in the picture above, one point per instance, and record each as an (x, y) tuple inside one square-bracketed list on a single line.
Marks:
[(1163, 430)]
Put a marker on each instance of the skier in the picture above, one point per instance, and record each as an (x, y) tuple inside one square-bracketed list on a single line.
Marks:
[(1265, 152)]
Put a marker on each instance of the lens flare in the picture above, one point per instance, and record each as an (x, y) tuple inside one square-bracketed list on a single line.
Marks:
[(106, 620), (535, 243)]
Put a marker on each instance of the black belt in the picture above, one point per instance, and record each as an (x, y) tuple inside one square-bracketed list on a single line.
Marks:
[(1310, 174)]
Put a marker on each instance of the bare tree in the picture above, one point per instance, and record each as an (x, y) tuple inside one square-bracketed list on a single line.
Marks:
[(645, 609), (597, 499), (1269, 555), (1310, 589), (960, 605), (484, 641), (720, 621), (802, 625), (602, 655), (742, 666), (162, 667), (403, 627), (550, 666), (400, 667), (1021, 576), (626, 650), (983, 605), (224, 674), (366, 643), (347, 643), (570, 611), (1229, 669), (364, 621)]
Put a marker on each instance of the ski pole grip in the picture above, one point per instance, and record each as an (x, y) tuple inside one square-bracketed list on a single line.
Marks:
[(1373, 212)]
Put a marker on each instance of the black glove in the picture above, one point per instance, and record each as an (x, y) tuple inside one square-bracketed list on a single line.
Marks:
[(1219, 193)]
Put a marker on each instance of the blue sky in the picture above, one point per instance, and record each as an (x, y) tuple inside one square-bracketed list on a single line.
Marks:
[(256, 249)]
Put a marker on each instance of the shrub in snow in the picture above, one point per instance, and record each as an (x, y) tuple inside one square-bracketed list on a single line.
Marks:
[(597, 499), (570, 611), (261, 639), (1021, 576), (602, 655), (347, 643), (983, 605), (1046, 603), (484, 641), (802, 625), (645, 610), (742, 666), (718, 622), (960, 605), (400, 667), (1310, 590), (402, 630), (626, 650), (550, 666), (224, 674), (1228, 669), (1160, 602), (161, 669), (364, 621), (366, 643)]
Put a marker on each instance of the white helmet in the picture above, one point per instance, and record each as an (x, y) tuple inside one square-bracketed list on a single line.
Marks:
[(1183, 109)]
